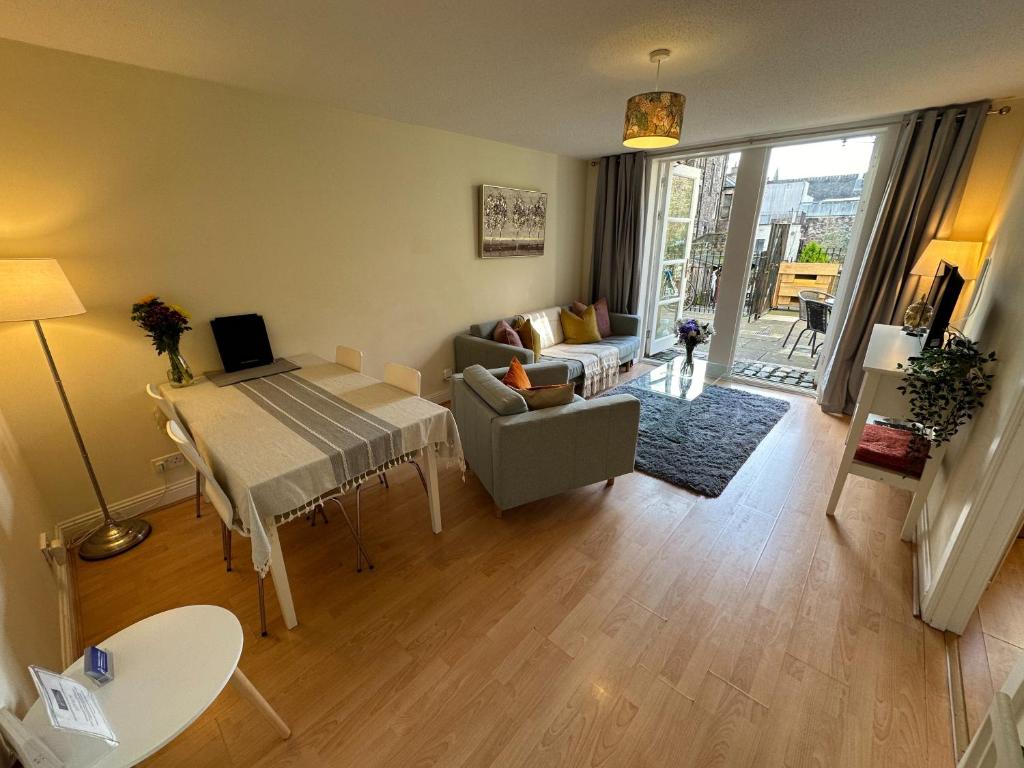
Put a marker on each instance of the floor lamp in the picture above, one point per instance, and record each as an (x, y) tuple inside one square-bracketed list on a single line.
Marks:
[(37, 289)]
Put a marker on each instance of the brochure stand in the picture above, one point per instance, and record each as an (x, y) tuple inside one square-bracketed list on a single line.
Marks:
[(75, 732)]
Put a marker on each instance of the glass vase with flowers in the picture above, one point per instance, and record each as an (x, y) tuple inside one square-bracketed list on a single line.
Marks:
[(690, 333), (164, 324)]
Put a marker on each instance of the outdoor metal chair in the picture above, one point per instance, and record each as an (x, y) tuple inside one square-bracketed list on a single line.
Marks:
[(817, 313), (804, 296)]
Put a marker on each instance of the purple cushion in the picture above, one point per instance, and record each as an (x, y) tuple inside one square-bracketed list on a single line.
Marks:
[(604, 322), (503, 334)]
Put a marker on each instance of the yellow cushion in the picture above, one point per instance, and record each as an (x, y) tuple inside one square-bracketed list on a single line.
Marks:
[(580, 330), (529, 335)]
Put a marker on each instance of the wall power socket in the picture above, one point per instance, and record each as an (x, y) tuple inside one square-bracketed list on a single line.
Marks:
[(168, 462)]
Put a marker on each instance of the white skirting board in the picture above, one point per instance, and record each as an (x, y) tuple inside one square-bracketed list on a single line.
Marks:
[(67, 616), (75, 527), (441, 396)]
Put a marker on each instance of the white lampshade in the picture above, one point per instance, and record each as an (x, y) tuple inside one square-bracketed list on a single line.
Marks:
[(963, 254), (35, 289)]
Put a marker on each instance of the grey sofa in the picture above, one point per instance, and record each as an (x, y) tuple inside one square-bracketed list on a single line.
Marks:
[(521, 455), (477, 347)]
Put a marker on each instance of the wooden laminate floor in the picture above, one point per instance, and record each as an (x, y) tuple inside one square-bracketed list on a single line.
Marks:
[(638, 625), (994, 639)]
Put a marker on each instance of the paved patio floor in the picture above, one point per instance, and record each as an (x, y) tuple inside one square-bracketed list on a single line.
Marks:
[(760, 352)]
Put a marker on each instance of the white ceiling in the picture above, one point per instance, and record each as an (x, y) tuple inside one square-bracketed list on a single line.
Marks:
[(555, 74)]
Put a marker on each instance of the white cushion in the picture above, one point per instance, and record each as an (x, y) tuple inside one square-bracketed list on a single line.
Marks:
[(548, 324)]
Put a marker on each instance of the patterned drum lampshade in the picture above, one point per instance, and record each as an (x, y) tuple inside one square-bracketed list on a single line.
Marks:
[(653, 120)]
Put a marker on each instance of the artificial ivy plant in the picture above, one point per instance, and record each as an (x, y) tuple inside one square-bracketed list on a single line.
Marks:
[(945, 386)]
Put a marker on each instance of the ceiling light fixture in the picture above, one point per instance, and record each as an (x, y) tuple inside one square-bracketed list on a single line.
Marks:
[(654, 119)]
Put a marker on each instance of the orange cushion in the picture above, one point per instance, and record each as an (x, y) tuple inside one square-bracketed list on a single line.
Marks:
[(516, 376), (890, 448)]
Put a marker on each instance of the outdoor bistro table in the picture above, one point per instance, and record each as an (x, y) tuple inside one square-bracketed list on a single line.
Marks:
[(281, 444)]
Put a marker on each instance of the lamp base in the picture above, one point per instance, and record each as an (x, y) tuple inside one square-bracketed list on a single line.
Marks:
[(113, 538)]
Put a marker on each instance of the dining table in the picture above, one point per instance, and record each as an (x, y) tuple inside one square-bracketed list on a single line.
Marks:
[(282, 444)]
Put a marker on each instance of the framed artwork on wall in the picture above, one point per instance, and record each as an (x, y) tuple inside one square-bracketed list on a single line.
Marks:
[(512, 222)]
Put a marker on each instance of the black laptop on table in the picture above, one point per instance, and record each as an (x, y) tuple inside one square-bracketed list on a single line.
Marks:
[(245, 350)]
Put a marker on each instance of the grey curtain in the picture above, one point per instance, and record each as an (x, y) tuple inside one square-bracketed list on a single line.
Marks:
[(618, 227), (921, 198)]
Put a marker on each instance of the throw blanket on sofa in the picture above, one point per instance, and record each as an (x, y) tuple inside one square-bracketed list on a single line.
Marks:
[(600, 364)]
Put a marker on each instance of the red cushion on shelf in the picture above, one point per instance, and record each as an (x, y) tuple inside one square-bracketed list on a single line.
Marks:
[(896, 449)]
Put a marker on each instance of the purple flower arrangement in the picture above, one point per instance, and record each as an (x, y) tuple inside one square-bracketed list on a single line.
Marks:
[(692, 332), (163, 323)]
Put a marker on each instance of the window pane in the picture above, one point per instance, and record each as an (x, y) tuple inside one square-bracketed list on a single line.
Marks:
[(666, 325), (671, 281), (680, 196), (675, 239)]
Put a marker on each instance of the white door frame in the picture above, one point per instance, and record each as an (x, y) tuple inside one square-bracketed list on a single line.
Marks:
[(662, 219), (986, 527), (739, 248)]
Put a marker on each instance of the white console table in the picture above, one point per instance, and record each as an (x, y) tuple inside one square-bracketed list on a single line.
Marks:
[(879, 396)]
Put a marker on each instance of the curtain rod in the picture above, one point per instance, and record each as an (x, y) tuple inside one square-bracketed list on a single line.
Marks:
[(752, 140), (1004, 110), (861, 127)]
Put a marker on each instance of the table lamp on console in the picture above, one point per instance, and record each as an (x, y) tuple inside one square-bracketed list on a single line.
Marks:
[(37, 289), (962, 254)]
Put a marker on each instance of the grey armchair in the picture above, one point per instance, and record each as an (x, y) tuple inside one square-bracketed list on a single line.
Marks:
[(521, 455)]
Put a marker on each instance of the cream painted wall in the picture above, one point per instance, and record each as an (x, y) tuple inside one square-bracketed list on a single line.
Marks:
[(993, 210), (338, 227), (28, 598), (991, 168)]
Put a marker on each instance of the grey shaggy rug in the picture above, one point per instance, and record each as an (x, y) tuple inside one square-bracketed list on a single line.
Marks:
[(700, 444)]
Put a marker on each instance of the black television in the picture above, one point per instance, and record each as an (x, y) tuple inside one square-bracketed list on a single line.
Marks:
[(943, 297)]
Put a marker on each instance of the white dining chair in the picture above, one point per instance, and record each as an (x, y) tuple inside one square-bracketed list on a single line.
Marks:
[(395, 374), (408, 380), (220, 502), (996, 743), (226, 510), (402, 376), (349, 357), (168, 411)]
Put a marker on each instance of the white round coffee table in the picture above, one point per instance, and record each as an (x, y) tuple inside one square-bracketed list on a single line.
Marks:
[(167, 670)]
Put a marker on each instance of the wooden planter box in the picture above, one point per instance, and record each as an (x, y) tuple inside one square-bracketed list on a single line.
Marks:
[(795, 277)]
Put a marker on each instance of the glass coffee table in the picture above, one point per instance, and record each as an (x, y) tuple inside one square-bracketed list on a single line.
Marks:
[(671, 378)]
